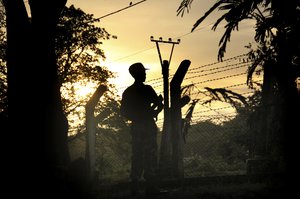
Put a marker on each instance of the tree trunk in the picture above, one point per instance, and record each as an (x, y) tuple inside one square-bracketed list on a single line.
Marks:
[(289, 124), (176, 119), (287, 72), (38, 127), (268, 101), (45, 70)]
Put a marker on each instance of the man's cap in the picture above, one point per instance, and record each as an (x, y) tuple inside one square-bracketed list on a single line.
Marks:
[(137, 68)]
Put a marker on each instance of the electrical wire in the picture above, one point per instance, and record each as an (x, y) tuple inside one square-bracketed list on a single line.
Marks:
[(117, 11)]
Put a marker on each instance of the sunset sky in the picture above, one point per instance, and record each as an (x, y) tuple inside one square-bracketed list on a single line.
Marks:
[(158, 18)]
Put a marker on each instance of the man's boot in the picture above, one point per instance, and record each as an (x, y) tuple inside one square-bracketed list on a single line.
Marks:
[(153, 190), (134, 188)]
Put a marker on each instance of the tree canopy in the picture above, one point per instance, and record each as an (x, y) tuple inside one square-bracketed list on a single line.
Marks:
[(276, 57), (3, 69), (79, 55)]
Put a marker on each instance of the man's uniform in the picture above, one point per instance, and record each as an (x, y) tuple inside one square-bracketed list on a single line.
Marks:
[(138, 104)]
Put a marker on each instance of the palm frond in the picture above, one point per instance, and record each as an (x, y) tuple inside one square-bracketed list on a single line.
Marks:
[(224, 39), (224, 95), (185, 5), (214, 7), (252, 69), (237, 11)]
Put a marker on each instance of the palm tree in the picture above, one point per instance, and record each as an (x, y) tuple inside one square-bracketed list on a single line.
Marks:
[(278, 54)]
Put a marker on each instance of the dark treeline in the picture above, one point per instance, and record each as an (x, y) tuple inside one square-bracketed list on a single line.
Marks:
[(37, 157)]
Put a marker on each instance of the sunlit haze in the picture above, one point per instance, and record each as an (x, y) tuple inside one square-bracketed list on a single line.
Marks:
[(134, 26)]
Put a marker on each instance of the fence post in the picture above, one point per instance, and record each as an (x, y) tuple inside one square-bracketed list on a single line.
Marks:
[(91, 132)]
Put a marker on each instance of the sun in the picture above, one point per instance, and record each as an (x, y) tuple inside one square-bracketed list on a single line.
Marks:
[(84, 89)]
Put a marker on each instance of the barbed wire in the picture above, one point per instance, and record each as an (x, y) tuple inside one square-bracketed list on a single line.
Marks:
[(214, 63), (230, 86), (220, 78), (211, 80), (216, 68), (190, 71), (216, 72), (157, 82)]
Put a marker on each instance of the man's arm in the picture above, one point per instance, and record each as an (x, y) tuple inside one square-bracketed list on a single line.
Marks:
[(157, 105), (124, 109)]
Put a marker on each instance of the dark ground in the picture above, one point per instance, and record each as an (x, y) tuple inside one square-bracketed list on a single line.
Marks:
[(226, 187)]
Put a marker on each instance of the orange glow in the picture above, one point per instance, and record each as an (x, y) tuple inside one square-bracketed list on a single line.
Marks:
[(133, 29), (84, 89)]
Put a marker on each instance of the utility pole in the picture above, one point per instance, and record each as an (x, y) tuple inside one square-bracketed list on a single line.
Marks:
[(165, 162), (169, 41), (91, 132)]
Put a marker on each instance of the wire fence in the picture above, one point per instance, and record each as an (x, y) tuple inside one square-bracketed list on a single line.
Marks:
[(217, 142), (210, 149), (213, 150)]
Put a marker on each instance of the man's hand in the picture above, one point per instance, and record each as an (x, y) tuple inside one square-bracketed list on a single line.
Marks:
[(157, 107)]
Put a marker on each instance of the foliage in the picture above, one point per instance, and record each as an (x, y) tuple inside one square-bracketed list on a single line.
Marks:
[(213, 149), (3, 69), (113, 140), (222, 94), (213, 166), (78, 42), (78, 47), (237, 11), (113, 146), (277, 57), (277, 27), (79, 54), (216, 149)]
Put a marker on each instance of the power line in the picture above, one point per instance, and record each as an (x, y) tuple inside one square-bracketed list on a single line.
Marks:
[(193, 31), (117, 11), (144, 50), (138, 52)]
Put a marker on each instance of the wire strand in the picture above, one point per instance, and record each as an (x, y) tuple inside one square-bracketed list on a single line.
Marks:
[(117, 11)]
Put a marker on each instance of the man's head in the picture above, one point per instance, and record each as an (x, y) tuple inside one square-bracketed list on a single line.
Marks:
[(138, 71)]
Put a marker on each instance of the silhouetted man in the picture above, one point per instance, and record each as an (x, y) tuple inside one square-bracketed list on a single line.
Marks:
[(140, 104)]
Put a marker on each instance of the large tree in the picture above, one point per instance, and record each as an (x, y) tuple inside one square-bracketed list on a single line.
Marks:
[(37, 125), (3, 69), (77, 50), (277, 27), (79, 53)]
